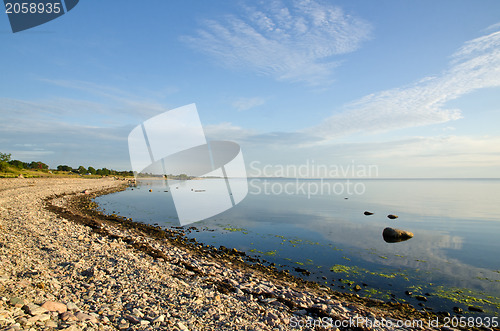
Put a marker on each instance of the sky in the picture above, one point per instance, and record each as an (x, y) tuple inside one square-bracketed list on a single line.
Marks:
[(410, 87)]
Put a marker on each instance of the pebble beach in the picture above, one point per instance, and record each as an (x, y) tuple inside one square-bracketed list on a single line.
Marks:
[(56, 273)]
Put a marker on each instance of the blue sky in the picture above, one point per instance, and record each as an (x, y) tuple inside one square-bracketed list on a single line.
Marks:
[(411, 87)]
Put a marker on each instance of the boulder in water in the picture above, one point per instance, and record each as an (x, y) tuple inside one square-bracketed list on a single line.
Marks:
[(367, 213), (396, 235), (391, 216)]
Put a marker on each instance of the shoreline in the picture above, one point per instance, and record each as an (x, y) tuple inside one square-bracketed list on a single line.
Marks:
[(183, 284)]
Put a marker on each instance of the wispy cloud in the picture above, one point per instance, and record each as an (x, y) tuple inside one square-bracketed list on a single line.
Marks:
[(298, 43), (75, 131), (242, 104), (474, 66)]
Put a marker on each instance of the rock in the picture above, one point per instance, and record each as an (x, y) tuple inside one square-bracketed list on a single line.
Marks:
[(85, 317), (303, 271), (51, 324), (367, 213), (408, 293), (132, 319), (55, 306), (124, 324), (71, 306), (71, 328), (391, 216), (159, 319), (33, 309), (357, 288), (181, 326), (420, 298), (458, 310), (16, 302), (68, 316), (392, 235), (476, 309)]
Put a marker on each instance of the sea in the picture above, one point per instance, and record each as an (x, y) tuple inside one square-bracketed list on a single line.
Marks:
[(319, 225)]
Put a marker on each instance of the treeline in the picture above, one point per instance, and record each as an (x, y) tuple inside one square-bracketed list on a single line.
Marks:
[(7, 165), (92, 171)]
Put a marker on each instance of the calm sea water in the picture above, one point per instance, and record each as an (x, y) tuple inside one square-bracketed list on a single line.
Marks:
[(453, 258)]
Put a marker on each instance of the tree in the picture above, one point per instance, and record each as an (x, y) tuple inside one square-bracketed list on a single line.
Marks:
[(91, 170), (4, 157), (17, 164), (82, 170), (38, 165), (64, 168)]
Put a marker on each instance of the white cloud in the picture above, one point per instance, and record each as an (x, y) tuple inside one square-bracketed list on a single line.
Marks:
[(248, 103), (226, 131), (295, 43), (475, 66)]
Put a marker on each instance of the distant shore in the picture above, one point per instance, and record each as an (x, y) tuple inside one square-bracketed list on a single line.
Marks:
[(107, 272)]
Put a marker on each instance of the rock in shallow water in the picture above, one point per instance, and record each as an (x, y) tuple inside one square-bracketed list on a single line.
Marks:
[(392, 235)]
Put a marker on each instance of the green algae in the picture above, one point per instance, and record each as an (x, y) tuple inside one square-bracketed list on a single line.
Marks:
[(244, 231), (467, 297)]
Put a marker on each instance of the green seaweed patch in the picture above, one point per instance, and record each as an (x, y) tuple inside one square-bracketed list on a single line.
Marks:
[(466, 296), (270, 253), (339, 268), (346, 258), (287, 258), (423, 261), (383, 257), (399, 255), (299, 263), (244, 231)]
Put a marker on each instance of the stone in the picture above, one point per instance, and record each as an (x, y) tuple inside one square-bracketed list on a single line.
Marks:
[(17, 302), (458, 310), (68, 316), (357, 288), (159, 319), (133, 319), (33, 309), (55, 306), (181, 326), (392, 235), (420, 298), (72, 307), (367, 213), (43, 317), (51, 324), (71, 328), (85, 317), (392, 216), (476, 309)]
